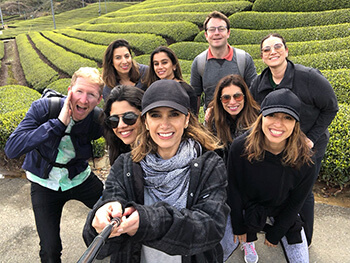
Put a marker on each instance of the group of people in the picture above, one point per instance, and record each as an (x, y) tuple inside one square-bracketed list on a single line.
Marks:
[(185, 191)]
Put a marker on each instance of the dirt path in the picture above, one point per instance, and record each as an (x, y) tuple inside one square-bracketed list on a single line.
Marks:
[(11, 72)]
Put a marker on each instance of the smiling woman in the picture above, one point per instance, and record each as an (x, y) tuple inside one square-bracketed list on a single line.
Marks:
[(171, 183)]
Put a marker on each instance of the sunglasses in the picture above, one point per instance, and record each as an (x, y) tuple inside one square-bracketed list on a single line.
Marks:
[(237, 96), (276, 47), (129, 118)]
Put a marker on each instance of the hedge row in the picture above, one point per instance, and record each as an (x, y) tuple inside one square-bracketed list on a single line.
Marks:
[(322, 61), (245, 36), (60, 85), (2, 50), (37, 73), (273, 20), (339, 80), (224, 7), (189, 50), (336, 163), (66, 61), (299, 5), (144, 43), (178, 31), (15, 100), (193, 17), (84, 49)]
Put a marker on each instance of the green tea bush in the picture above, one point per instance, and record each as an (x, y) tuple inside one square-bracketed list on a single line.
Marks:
[(274, 20), (37, 73), (193, 17), (144, 43), (335, 168), (299, 5), (299, 34), (339, 80), (188, 50), (84, 49), (99, 147), (16, 97), (8, 123), (66, 61), (228, 7), (178, 31), (60, 85)]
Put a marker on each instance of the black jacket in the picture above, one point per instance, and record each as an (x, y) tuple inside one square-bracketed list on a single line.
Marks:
[(319, 103), (193, 232)]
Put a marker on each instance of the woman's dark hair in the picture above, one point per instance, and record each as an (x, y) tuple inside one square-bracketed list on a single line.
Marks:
[(273, 35), (110, 75), (133, 96), (220, 118), (151, 75)]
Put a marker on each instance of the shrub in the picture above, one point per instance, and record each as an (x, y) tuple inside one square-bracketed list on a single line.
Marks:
[(335, 168), (84, 49), (274, 20), (298, 5), (339, 80), (16, 97), (193, 17), (8, 123), (245, 36), (188, 50), (33, 66), (60, 85), (99, 147), (66, 61), (226, 7), (144, 43), (178, 31)]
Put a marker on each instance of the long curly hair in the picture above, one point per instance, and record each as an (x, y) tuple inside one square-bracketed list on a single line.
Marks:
[(109, 73), (133, 96), (219, 120)]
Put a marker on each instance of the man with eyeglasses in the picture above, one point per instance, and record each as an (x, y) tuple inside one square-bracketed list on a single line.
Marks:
[(57, 151), (219, 60)]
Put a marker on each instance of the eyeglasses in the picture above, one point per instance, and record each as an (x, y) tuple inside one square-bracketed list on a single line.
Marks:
[(276, 47), (212, 29), (237, 96), (129, 118)]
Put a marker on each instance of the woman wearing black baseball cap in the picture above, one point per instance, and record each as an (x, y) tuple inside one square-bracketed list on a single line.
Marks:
[(270, 171), (170, 191)]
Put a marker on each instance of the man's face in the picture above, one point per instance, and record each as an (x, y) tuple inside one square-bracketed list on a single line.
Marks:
[(217, 39), (85, 97)]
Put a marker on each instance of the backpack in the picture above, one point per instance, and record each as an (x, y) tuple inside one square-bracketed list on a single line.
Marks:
[(240, 55)]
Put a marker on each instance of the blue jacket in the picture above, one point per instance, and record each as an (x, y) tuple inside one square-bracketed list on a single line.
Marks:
[(38, 137)]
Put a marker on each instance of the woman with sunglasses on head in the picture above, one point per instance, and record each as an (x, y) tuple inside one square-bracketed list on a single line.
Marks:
[(269, 172), (120, 68), (121, 119), (319, 103), (170, 191), (164, 64), (233, 110)]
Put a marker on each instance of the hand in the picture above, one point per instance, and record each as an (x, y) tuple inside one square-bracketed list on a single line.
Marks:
[(241, 238), (66, 111), (207, 114), (309, 143), (267, 243), (104, 215), (130, 223)]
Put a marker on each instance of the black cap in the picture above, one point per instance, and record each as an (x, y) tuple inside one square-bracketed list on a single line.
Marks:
[(165, 93), (281, 100)]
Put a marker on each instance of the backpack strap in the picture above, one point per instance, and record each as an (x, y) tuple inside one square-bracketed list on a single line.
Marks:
[(201, 60), (240, 56), (54, 107)]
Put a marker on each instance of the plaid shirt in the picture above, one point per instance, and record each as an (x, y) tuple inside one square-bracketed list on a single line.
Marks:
[(193, 232)]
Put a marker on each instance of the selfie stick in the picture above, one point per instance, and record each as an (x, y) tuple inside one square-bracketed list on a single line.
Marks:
[(92, 251)]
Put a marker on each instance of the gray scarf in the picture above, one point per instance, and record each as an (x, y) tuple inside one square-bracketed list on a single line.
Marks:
[(168, 180)]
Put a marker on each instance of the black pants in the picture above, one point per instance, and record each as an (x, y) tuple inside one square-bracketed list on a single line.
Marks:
[(48, 205), (307, 211)]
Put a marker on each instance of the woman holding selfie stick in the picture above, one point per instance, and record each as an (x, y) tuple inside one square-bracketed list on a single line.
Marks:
[(170, 190)]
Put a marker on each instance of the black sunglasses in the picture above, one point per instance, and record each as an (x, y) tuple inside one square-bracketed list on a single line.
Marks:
[(129, 118)]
